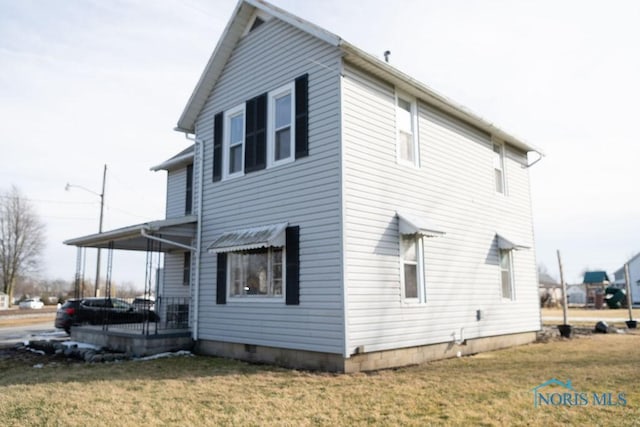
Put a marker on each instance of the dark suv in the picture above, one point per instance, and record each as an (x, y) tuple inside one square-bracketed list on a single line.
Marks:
[(100, 311)]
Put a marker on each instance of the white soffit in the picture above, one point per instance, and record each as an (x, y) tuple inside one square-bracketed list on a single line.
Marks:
[(250, 238)]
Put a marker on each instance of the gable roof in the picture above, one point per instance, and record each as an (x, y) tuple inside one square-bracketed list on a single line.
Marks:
[(546, 279), (235, 28), (595, 277)]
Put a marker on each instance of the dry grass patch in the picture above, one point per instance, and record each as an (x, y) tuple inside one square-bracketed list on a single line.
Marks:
[(486, 389)]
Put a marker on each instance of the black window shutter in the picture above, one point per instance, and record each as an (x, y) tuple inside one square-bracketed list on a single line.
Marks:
[(255, 139), (302, 116), (221, 279), (217, 146), (292, 296)]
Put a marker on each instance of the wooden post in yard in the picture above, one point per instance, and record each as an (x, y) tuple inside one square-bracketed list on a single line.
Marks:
[(564, 290), (628, 286)]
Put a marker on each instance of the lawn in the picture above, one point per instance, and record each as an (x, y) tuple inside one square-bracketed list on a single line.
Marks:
[(486, 389)]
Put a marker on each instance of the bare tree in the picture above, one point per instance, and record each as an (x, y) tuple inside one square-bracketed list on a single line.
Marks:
[(21, 239)]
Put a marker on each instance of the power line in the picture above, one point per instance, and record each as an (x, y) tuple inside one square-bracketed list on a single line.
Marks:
[(61, 202)]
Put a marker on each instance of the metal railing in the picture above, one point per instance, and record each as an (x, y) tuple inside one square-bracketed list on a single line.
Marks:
[(166, 314)]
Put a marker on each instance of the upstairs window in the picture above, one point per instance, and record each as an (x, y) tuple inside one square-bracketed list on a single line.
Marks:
[(407, 135), (234, 141), (498, 167), (267, 130), (281, 125)]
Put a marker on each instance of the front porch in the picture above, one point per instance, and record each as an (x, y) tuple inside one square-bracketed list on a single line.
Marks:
[(164, 325), (122, 338)]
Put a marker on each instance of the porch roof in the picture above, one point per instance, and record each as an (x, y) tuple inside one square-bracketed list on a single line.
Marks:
[(176, 234)]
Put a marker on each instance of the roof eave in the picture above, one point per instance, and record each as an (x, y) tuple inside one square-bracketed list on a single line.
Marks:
[(415, 87), (173, 163), (230, 36)]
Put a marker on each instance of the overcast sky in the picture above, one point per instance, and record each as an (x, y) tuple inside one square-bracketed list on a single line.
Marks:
[(85, 83)]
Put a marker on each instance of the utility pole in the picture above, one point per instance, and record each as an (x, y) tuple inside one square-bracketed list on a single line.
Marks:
[(104, 179)]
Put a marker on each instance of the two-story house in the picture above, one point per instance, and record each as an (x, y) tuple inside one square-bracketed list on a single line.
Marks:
[(343, 216)]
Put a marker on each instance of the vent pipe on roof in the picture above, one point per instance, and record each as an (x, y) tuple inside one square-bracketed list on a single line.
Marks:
[(386, 55)]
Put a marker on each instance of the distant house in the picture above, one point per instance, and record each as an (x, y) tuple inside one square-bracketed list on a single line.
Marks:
[(335, 213), (634, 278), (576, 294), (595, 283), (4, 301), (550, 290)]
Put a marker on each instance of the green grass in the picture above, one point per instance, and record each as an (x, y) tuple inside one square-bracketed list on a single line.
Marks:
[(486, 389)]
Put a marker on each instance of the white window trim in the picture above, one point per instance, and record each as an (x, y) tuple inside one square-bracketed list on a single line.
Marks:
[(259, 298), (495, 142), (509, 254), (414, 130), (422, 297), (271, 125), (226, 143)]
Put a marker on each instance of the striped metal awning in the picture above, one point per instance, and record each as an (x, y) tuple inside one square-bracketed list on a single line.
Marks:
[(250, 238)]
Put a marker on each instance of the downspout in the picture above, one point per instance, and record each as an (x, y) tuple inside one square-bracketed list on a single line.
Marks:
[(199, 145)]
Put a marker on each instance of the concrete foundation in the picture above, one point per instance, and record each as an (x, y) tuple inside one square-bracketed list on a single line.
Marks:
[(301, 359), (133, 342)]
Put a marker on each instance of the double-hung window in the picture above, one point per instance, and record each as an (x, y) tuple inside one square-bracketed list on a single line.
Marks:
[(407, 130), (281, 146), (234, 141), (411, 273), (498, 167), (506, 273)]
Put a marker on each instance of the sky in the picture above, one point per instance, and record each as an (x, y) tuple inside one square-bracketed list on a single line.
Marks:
[(84, 83)]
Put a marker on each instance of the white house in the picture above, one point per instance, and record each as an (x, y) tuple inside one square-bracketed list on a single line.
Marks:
[(634, 278), (335, 213)]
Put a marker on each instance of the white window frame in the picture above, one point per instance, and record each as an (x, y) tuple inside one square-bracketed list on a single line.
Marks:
[(509, 254), (420, 280), (263, 298), (498, 164), (414, 130), (288, 89), (226, 157)]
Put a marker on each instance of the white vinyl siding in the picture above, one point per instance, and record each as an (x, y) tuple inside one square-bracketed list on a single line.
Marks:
[(176, 192), (173, 274), (271, 56), (455, 189)]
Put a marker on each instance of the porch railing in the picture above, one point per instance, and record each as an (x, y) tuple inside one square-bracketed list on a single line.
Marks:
[(165, 315)]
